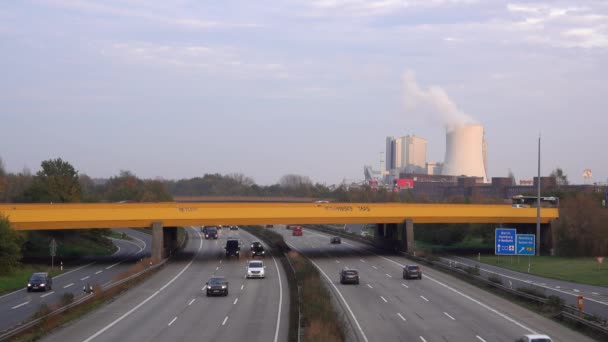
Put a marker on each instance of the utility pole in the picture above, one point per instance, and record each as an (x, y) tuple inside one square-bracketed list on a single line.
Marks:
[(538, 204)]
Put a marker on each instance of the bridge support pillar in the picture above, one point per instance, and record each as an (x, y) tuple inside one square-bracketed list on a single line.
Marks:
[(169, 241), (157, 242), (410, 245)]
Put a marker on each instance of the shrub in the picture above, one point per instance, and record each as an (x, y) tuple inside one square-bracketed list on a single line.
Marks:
[(67, 298), (495, 279), (532, 291)]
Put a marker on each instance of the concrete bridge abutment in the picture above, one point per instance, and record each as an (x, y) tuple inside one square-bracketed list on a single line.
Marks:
[(164, 241)]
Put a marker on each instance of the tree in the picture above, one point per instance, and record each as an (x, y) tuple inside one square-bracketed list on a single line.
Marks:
[(57, 182), (560, 177), (10, 246)]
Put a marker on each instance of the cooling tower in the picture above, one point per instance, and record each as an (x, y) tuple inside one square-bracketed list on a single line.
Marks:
[(465, 152)]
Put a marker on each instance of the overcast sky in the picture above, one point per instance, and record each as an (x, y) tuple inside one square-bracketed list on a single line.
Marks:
[(178, 89)]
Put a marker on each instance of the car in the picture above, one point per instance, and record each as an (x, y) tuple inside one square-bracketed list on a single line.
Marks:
[(255, 269), (412, 271), (210, 233), (233, 248), (41, 281), (535, 338), (349, 275), (289, 226), (365, 234), (234, 227), (217, 285), (269, 226), (335, 240), (257, 249), (297, 231)]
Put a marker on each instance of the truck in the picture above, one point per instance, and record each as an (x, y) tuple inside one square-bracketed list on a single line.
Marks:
[(233, 248)]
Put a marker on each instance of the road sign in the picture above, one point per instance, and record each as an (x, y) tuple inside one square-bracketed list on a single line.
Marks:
[(525, 244), (504, 241)]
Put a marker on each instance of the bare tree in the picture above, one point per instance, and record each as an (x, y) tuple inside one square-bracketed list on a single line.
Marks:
[(293, 181), (241, 179), (560, 177)]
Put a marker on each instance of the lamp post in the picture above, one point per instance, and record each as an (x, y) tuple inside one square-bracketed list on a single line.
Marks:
[(538, 203)]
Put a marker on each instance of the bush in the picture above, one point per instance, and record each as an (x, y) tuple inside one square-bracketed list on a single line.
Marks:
[(472, 270), (554, 303), (67, 298), (532, 291)]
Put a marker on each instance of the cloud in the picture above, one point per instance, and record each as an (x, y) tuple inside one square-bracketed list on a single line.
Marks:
[(361, 8), (433, 101)]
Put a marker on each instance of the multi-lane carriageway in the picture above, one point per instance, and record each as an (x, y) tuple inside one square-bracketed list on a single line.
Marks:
[(172, 306)]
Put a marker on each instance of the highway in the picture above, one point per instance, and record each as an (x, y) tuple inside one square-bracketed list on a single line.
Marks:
[(172, 306), (20, 305), (385, 307), (595, 297)]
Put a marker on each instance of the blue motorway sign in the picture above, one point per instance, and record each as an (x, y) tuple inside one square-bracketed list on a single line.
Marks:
[(525, 244), (504, 241)]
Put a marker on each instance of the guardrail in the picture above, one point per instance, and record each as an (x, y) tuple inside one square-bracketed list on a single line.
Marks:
[(33, 323), (568, 312)]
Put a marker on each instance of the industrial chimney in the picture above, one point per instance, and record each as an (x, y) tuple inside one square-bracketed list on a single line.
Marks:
[(465, 152)]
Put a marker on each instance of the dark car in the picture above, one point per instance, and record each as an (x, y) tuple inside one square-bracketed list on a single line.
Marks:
[(336, 240), (233, 248), (234, 227), (217, 286), (257, 249), (412, 272), (349, 275), (269, 226), (211, 233), (40, 282)]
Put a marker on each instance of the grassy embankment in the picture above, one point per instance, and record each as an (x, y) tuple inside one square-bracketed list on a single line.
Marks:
[(320, 321), (579, 270)]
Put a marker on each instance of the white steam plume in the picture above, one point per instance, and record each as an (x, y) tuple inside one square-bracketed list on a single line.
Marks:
[(433, 101)]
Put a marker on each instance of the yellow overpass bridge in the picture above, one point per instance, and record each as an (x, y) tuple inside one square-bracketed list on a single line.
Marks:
[(173, 214)]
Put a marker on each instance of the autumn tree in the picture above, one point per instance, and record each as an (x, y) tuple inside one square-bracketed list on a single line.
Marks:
[(56, 182), (10, 246)]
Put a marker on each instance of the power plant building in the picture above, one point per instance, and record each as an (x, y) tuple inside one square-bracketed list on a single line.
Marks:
[(406, 153), (466, 152)]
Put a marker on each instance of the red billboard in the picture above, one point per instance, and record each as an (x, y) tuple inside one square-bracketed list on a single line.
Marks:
[(404, 183)]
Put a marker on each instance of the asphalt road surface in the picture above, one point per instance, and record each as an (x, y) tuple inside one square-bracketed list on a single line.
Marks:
[(172, 304), (385, 307), (20, 305), (595, 297)]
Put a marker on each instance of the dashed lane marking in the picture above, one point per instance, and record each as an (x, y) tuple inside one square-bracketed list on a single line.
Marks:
[(20, 305), (452, 318), (400, 316), (192, 301), (47, 294), (68, 285), (172, 321), (225, 319)]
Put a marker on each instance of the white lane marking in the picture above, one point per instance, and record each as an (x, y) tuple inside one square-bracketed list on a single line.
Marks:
[(236, 300), (339, 294), (217, 268), (594, 293), (556, 289), (400, 316), (116, 321), (368, 285), (68, 285), (20, 305), (140, 240), (242, 286), (388, 275), (276, 331), (107, 268), (422, 339), (98, 272), (118, 250), (424, 298), (85, 278), (469, 298), (452, 318), (225, 319), (362, 260), (47, 294), (204, 287), (221, 261), (479, 338), (337, 261), (172, 321), (407, 287), (577, 291), (192, 301), (384, 299), (375, 267)]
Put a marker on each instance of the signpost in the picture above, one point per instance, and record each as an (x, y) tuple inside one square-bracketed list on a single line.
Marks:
[(53, 247), (504, 242), (525, 244)]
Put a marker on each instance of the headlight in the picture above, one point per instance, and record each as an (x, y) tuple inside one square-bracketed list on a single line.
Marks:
[(263, 252), (223, 286), (206, 235), (29, 285), (237, 252), (42, 285)]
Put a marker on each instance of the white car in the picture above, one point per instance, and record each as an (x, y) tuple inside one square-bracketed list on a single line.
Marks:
[(535, 338), (255, 269)]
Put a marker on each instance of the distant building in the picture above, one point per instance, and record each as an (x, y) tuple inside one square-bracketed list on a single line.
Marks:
[(406, 153)]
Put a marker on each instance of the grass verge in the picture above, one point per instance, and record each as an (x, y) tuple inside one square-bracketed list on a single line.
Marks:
[(319, 319), (578, 270)]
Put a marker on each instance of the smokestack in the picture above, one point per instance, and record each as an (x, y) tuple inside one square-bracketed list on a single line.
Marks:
[(465, 152)]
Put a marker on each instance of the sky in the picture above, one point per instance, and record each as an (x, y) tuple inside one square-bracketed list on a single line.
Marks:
[(177, 89)]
